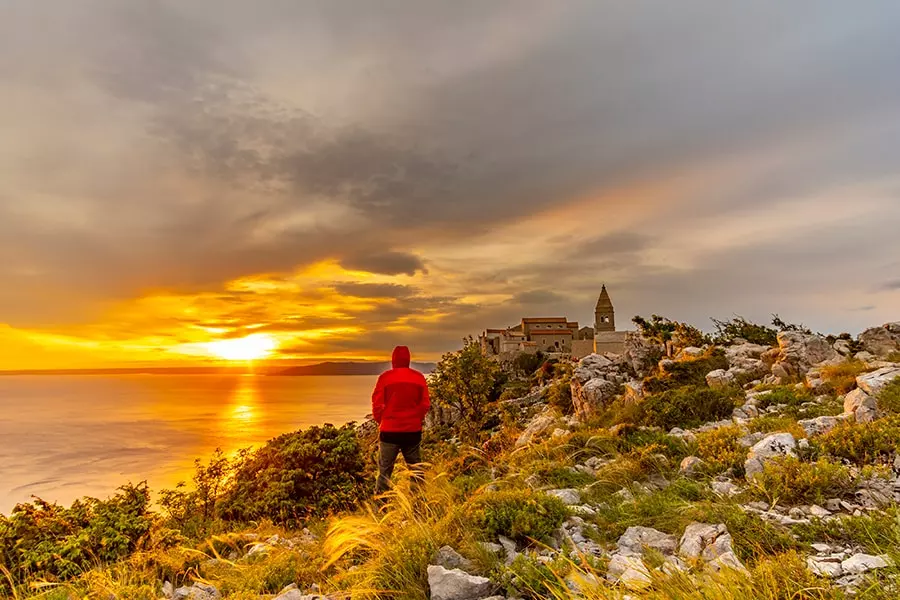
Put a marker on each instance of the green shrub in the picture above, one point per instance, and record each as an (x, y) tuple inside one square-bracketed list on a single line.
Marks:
[(841, 378), (522, 515), (528, 577), (663, 330), (312, 472), (686, 407), (739, 327), (45, 540), (559, 395), (690, 371), (862, 443), (789, 395), (791, 481), (515, 389), (889, 398), (468, 382), (775, 423), (720, 450)]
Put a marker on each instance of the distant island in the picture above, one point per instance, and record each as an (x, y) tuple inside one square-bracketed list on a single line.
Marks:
[(324, 368)]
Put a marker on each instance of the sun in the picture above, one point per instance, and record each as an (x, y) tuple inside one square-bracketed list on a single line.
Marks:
[(252, 347)]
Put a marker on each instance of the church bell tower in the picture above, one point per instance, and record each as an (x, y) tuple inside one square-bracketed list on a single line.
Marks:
[(604, 314)]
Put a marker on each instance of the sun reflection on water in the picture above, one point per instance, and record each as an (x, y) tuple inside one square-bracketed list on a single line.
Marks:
[(242, 418)]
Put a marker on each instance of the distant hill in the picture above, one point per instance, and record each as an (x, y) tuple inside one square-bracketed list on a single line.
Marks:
[(348, 368), (325, 368)]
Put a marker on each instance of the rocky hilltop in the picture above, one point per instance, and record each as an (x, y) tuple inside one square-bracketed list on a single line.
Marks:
[(758, 466)]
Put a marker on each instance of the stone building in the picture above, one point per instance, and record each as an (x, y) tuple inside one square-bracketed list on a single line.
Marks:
[(558, 334)]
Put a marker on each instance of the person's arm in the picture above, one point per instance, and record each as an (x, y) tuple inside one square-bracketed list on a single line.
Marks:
[(378, 401), (425, 404)]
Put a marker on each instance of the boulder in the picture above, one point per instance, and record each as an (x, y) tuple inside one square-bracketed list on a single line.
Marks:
[(861, 563), (691, 465), (881, 341), (719, 378), (636, 539), (590, 397), (454, 584), (825, 567), (592, 366), (819, 425), (198, 591), (799, 352), (771, 446), (862, 406), (641, 354), (569, 496), (712, 545), (630, 571), (540, 424), (450, 559), (872, 383), (843, 347), (689, 352)]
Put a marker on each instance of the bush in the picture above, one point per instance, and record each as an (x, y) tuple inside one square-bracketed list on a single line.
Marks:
[(468, 382), (877, 532), (862, 443), (720, 450), (663, 330), (686, 407), (788, 395), (739, 327), (43, 540), (889, 398), (687, 372), (312, 472), (559, 395), (792, 481), (841, 378), (521, 515)]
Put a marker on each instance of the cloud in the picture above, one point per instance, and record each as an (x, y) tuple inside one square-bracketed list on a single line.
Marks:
[(385, 263), (375, 290), (891, 285), (539, 297)]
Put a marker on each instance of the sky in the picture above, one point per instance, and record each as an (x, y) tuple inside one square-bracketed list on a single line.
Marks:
[(329, 179)]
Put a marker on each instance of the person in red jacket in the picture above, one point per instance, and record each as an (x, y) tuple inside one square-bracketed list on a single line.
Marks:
[(399, 405)]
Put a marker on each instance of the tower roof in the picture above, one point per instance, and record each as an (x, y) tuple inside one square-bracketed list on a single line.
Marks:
[(603, 301)]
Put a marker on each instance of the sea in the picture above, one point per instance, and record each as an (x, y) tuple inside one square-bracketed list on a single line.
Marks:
[(63, 437)]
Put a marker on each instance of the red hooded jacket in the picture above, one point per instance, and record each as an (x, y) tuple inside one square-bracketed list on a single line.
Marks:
[(400, 400)]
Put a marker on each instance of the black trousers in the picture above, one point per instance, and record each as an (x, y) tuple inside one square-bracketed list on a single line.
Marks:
[(392, 444)]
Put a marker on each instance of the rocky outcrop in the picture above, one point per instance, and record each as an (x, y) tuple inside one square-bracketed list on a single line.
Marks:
[(450, 559), (881, 341), (872, 383), (569, 496), (540, 424), (818, 425), (712, 545), (596, 381), (641, 354), (772, 446), (198, 591), (799, 352), (691, 466), (719, 378), (746, 360), (637, 539), (861, 406), (456, 584)]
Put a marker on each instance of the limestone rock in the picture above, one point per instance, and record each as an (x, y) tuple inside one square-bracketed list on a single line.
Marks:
[(691, 465), (628, 570), (640, 354), (450, 559), (799, 352), (455, 584), (725, 488), (778, 444), (569, 496), (540, 424), (861, 563), (861, 405), (825, 567), (818, 425), (198, 591), (592, 366), (712, 544), (719, 378), (593, 395), (636, 539), (872, 383), (881, 341)]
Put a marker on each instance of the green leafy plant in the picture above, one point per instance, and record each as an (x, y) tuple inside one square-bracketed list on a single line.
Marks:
[(522, 515), (862, 443), (687, 406), (790, 480), (663, 330), (690, 371), (720, 450)]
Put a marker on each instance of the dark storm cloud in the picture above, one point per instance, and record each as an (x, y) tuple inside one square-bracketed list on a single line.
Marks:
[(538, 297), (385, 263)]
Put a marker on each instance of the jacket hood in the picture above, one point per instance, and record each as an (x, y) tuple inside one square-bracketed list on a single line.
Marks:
[(400, 357)]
